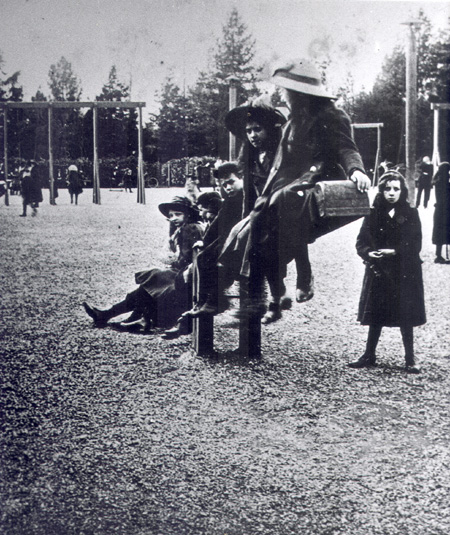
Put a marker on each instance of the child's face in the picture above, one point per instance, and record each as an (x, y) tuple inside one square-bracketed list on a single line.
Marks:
[(256, 134), (392, 191), (176, 217), (205, 213), (232, 185)]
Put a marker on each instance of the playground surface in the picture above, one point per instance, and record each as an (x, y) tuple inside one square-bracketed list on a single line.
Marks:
[(107, 432)]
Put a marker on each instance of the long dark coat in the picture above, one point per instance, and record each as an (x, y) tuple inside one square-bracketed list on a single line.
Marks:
[(441, 226), (282, 218), (392, 293), (75, 184), (169, 293), (30, 188)]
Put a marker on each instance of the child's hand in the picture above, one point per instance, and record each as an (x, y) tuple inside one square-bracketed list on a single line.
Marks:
[(380, 253), (387, 252), (198, 243)]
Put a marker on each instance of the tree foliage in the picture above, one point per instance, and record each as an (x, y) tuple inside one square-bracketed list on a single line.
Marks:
[(63, 83), (192, 123), (386, 102), (117, 125)]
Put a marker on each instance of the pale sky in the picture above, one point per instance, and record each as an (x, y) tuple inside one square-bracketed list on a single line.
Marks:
[(148, 40)]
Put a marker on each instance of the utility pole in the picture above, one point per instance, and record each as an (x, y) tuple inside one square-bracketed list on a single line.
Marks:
[(232, 103), (411, 107)]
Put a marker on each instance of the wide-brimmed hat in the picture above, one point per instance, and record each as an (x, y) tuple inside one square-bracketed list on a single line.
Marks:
[(237, 118), (179, 204), (302, 76)]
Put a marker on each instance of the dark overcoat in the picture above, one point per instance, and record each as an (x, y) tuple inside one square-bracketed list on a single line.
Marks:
[(441, 223), (283, 216), (170, 294), (392, 293)]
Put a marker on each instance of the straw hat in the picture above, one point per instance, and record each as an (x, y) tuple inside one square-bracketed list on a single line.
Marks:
[(302, 76)]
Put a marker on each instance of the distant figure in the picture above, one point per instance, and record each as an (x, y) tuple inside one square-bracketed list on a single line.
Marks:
[(441, 222), (74, 183), (424, 182), (192, 189), (30, 189), (128, 180)]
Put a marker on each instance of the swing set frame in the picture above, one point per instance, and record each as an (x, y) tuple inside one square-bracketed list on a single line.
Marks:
[(50, 106)]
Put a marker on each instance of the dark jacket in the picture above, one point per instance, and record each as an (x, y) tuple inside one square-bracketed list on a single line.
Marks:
[(283, 218), (324, 141), (171, 295), (441, 222), (392, 292)]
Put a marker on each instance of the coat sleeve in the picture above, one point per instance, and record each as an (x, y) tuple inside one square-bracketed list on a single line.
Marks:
[(363, 241), (349, 156)]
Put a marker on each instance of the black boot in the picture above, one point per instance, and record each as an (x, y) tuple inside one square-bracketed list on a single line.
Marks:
[(410, 365), (366, 361), (182, 327), (273, 313), (100, 317)]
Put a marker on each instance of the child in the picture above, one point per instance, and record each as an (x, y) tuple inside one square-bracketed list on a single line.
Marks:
[(212, 280), (392, 294), (163, 294)]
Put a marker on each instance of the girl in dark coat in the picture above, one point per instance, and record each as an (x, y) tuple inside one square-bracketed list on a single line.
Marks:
[(163, 294), (392, 294), (441, 223), (74, 183), (30, 189)]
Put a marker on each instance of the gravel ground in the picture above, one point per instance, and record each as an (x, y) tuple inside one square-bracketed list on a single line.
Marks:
[(106, 432)]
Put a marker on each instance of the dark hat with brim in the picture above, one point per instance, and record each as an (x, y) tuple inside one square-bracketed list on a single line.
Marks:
[(236, 119), (179, 204)]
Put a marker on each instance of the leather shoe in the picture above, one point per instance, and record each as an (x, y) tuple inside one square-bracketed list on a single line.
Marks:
[(273, 314), (366, 361), (205, 310), (141, 324), (411, 369), (440, 260), (180, 329), (303, 295), (96, 314)]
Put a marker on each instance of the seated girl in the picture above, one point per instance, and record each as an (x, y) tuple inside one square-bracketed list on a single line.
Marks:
[(162, 294)]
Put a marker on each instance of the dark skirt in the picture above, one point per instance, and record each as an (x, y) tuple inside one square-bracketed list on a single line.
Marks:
[(169, 295)]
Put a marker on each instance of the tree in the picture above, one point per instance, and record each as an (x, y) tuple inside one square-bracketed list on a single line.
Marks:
[(9, 87), (117, 125), (63, 83), (173, 122), (233, 57), (386, 102)]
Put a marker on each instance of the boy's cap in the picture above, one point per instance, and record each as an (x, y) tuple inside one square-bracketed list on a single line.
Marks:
[(302, 76), (179, 204)]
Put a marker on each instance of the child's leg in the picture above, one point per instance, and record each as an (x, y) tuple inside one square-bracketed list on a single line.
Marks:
[(408, 343), (305, 290), (133, 301), (369, 357)]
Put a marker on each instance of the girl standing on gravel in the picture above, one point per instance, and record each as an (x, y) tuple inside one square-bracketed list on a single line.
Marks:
[(163, 294), (392, 294)]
